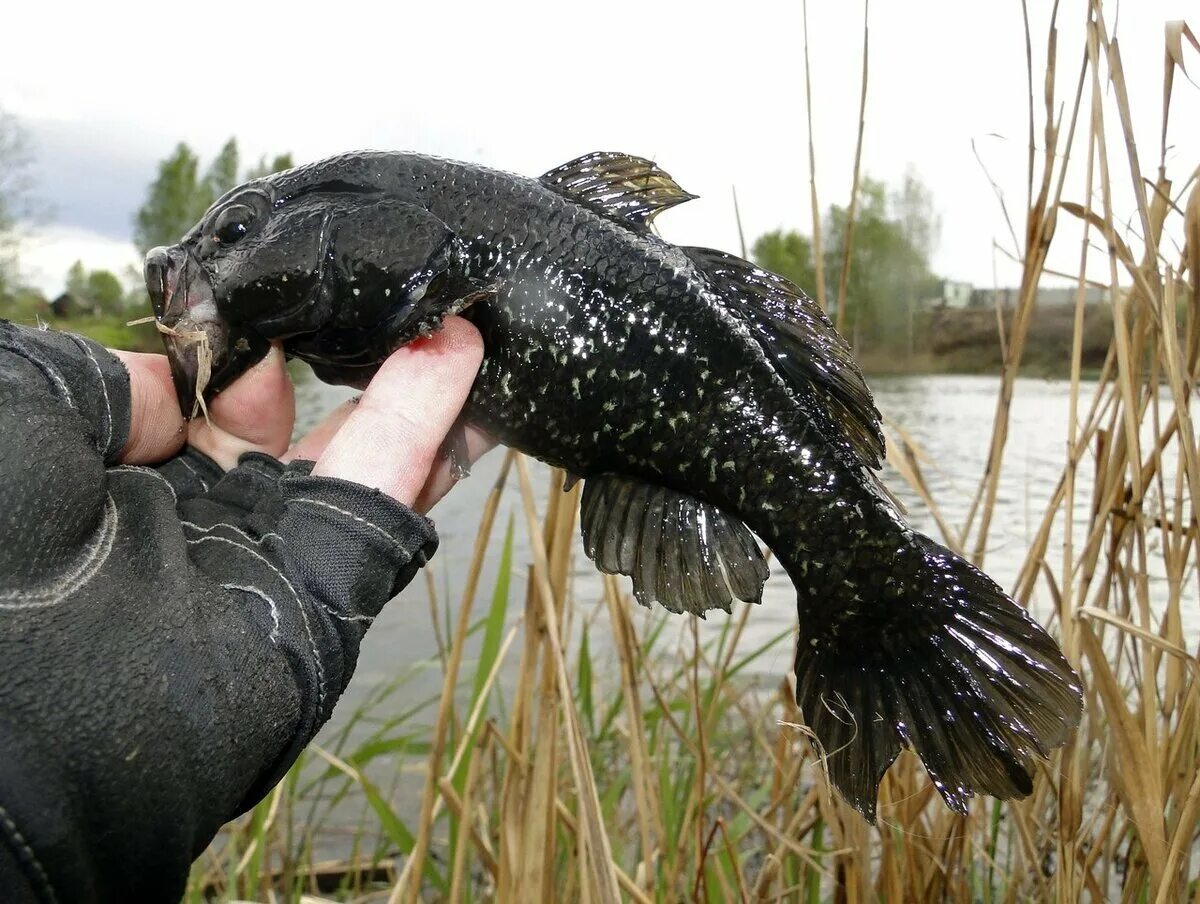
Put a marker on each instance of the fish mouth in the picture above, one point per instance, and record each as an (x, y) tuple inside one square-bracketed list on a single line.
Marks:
[(205, 351)]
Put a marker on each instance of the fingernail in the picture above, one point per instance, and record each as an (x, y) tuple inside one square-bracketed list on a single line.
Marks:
[(268, 360)]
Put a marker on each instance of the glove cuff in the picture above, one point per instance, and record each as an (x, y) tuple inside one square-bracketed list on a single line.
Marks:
[(191, 473), (357, 547)]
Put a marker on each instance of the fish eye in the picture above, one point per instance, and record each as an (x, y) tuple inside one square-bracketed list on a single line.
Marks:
[(233, 223)]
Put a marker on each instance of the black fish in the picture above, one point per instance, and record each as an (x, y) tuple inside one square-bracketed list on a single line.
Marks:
[(700, 397)]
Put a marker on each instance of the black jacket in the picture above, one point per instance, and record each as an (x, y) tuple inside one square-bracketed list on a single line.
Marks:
[(170, 637)]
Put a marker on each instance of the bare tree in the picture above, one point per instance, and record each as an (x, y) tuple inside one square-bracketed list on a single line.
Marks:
[(16, 182)]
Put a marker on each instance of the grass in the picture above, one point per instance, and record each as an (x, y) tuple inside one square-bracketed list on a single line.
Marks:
[(644, 769), (110, 329)]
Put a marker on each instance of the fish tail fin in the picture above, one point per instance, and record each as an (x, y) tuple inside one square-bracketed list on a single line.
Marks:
[(942, 661)]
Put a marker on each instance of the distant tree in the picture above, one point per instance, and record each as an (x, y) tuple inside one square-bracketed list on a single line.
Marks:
[(912, 206), (179, 195), (790, 255), (105, 291), (77, 280), (894, 236), (921, 224), (95, 291), (277, 164), (222, 173), (15, 187), (174, 203)]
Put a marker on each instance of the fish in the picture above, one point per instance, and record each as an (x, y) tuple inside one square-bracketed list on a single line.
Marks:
[(706, 403)]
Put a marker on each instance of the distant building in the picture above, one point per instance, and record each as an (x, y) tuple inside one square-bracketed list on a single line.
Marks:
[(1056, 297), (989, 298), (1063, 297), (951, 294), (955, 294), (62, 306)]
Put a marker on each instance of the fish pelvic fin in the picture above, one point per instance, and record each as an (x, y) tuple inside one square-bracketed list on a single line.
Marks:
[(631, 190), (802, 344), (945, 664), (682, 553)]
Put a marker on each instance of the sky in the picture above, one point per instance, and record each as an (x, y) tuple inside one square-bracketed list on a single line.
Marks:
[(714, 92)]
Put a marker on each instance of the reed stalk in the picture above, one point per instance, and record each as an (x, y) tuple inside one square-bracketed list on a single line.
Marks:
[(594, 751)]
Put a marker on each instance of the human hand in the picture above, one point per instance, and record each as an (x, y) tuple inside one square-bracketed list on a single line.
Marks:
[(390, 438), (219, 599)]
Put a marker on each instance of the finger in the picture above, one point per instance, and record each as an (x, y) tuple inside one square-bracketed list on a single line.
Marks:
[(391, 439), (255, 414), (155, 424), (441, 479), (310, 446)]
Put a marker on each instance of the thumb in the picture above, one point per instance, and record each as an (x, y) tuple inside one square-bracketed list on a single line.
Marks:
[(392, 437)]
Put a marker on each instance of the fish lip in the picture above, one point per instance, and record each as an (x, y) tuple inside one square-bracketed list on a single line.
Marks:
[(204, 352)]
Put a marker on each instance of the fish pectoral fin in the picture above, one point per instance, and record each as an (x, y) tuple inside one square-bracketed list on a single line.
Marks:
[(682, 553), (631, 190), (803, 345)]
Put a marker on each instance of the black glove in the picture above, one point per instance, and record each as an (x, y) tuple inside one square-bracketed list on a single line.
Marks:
[(170, 637)]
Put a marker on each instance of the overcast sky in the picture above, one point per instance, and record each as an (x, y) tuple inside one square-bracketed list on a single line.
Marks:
[(714, 92)]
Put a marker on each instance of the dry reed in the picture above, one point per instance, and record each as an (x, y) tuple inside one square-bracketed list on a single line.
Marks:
[(655, 773)]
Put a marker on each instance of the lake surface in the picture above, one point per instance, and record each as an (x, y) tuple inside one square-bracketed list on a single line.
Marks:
[(949, 417)]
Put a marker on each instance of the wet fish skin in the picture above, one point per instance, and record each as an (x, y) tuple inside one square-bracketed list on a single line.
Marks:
[(694, 394)]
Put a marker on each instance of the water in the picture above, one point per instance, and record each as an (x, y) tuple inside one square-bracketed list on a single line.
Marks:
[(949, 417)]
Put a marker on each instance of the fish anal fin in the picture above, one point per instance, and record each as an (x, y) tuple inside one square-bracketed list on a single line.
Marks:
[(803, 345), (456, 451), (681, 553), (631, 190)]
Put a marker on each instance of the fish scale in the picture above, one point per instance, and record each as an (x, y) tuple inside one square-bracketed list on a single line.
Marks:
[(701, 399)]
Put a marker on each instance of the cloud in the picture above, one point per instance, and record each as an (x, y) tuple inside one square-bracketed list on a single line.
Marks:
[(89, 175), (47, 253), (716, 95)]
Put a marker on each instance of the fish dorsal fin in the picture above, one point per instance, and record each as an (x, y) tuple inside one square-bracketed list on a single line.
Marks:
[(629, 189), (799, 339), (682, 553)]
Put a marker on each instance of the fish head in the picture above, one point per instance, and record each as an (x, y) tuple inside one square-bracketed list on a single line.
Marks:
[(341, 274)]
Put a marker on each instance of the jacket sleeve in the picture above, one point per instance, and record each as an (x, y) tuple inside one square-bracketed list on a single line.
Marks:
[(170, 638)]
